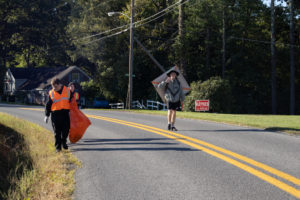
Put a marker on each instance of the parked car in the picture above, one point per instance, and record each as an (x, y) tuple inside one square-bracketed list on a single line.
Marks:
[(100, 103)]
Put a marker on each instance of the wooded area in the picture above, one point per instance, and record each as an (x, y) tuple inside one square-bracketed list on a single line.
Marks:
[(253, 46)]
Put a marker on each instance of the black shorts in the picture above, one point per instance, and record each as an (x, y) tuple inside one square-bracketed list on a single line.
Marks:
[(174, 105)]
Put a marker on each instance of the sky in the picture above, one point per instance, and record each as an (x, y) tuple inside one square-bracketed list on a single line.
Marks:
[(267, 2)]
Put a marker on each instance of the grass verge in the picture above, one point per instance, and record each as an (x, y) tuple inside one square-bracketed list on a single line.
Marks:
[(30, 168), (279, 123)]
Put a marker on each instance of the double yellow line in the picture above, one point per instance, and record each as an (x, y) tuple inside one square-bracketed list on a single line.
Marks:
[(221, 154)]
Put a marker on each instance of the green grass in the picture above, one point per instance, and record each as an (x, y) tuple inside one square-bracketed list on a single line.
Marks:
[(280, 123), (33, 169)]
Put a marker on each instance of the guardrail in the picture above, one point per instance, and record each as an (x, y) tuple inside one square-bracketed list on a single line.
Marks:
[(116, 105), (137, 104), (151, 105), (156, 105)]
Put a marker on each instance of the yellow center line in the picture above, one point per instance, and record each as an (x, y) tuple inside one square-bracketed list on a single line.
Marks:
[(183, 139), (37, 109), (225, 151)]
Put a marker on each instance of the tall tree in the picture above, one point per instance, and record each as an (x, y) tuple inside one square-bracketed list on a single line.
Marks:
[(223, 42), (292, 59), (273, 57)]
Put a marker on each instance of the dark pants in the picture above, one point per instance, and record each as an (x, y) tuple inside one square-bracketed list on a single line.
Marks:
[(61, 126), (173, 105)]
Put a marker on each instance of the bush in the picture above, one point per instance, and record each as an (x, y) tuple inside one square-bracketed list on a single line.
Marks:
[(217, 90), (90, 90)]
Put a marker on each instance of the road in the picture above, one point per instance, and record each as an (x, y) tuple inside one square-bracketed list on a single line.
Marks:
[(132, 156)]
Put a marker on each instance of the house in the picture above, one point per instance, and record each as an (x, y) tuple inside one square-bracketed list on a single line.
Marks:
[(31, 85)]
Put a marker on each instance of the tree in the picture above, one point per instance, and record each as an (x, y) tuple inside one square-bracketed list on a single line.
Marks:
[(273, 57), (292, 59)]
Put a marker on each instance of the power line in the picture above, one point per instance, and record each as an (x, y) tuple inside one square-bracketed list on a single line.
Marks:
[(159, 16), (107, 31), (136, 24), (108, 36), (261, 41)]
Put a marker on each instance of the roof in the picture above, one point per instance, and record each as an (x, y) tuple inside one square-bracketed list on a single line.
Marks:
[(40, 78)]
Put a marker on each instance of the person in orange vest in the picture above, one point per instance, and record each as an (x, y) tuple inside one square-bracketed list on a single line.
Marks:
[(58, 105), (74, 95)]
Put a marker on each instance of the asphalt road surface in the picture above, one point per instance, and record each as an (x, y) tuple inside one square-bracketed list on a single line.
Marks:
[(129, 156)]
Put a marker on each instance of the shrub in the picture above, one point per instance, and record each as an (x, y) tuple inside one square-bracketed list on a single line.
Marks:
[(217, 90)]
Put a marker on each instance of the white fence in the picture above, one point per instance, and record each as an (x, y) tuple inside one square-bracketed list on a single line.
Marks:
[(151, 105), (156, 105), (136, 104), (116, 105)]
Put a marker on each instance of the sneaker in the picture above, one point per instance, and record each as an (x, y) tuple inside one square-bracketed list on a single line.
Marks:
[(169, 126), (57, 150), (174, 129), (65, 146)]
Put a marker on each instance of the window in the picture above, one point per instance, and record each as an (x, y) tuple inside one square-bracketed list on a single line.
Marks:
[(75, 77)]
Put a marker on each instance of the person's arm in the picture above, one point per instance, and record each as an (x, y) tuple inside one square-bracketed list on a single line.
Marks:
[(72, 96), (48, 107), (163, 83)]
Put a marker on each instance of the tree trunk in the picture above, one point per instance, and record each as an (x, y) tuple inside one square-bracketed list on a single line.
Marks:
[(27, 58), (273, 58), (292, 60), (207, 41), (182, 62), (223, 45)]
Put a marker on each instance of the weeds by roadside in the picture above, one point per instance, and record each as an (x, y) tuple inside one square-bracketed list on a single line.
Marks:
[(31, 168)]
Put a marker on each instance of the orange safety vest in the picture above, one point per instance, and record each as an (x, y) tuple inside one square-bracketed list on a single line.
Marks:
[(60, 101)]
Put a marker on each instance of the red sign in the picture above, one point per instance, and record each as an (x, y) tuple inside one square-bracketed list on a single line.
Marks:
[(202, 105)]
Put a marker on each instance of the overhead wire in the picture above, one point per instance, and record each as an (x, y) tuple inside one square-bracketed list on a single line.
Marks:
[(136, 24), (261, 41), (110, 30), (168, 9)]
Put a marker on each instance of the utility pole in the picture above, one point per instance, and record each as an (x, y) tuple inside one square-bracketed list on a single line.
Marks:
[(129, 106), (181, 30)]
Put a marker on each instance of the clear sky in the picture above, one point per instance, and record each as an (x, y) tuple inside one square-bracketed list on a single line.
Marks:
[(267, 2)]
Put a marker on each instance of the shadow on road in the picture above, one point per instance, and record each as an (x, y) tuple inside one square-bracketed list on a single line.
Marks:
[(227, 130), (284, 129), (122, 140), (135, 141), (133, 149), (272, 129)]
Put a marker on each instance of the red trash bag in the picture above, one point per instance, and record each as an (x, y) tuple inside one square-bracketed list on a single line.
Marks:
[(78, 123)]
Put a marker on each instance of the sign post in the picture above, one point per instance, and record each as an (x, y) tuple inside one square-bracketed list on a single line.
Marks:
[(201, 105)]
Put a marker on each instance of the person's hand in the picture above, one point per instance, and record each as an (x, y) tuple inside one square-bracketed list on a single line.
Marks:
[(46, 119), (168, 80)]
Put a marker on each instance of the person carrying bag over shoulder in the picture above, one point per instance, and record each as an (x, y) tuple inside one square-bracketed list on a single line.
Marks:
[(174, 96)]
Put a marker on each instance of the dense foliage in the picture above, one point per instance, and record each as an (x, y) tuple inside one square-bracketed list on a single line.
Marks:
[(52, 33), (217, 90)]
